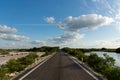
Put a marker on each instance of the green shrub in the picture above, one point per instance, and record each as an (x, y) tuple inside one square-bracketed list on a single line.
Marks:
[(14, 65), (104, 65)]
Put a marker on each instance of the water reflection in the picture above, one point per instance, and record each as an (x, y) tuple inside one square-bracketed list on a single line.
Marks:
[(111, 54)]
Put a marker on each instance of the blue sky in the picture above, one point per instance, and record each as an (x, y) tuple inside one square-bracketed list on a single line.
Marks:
[(64, 23)]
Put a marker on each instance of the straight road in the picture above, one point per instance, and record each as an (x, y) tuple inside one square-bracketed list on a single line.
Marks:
[(59, 67)]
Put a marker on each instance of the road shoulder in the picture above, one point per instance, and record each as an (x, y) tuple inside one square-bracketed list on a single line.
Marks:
[(85, 67), (32, 67)]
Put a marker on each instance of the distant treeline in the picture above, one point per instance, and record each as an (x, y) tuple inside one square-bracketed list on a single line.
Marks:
[(118, 50), (4, 51), (34, 49), (40, 49), (47, 48), (98, 49)]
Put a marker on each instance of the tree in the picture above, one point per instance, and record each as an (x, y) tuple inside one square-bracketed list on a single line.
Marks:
[(118, 50), (103, 49)]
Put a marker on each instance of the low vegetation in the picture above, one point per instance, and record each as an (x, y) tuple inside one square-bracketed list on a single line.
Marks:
[(4, 52), (49, 50), (17, 65), (101, 65)]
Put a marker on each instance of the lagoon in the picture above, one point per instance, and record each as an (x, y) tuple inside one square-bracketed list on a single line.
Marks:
[(111, 54)]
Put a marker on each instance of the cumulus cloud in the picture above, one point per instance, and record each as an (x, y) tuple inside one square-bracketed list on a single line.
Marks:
[(102, 43), (8, 33), (13, 37), (117, 17), (6, 29), (84, 21), (50, 19), (117, 40), (95, 0), (67, 37), (38, 42), (117, 20), (114, 43)]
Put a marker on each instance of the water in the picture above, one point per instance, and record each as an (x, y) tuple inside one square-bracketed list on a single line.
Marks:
[(111, 54)]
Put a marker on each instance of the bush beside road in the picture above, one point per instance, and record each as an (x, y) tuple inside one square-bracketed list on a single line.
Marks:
[(104, 66), (17, 65)]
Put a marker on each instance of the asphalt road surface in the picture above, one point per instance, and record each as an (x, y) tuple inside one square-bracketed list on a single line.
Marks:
[(58, 67)]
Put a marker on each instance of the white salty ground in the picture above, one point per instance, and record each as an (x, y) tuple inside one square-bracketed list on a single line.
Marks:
[(15, 55)]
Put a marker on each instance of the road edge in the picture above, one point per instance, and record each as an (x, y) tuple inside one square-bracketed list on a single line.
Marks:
[(75, 60), (34, 67)]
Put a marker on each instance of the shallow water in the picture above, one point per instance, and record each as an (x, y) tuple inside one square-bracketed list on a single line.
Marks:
[(111, 54)]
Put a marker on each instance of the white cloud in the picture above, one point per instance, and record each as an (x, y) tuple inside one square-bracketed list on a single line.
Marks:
[(10, 39), (67, 37), (117, 40), (15, 45), (102, 43), (115, 43), (7, 30), (98, 0), (117, 20), (50, 19), (8, 33), (94, 0), (83, 21), (38, 42), (117, 17), (13, 37)]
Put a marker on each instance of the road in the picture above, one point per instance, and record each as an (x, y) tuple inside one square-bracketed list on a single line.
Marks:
[(58, 67)]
